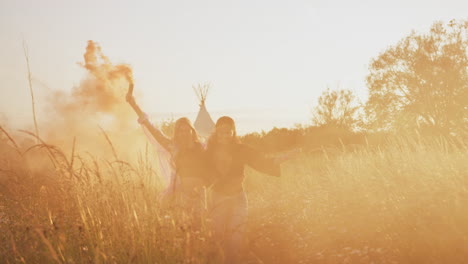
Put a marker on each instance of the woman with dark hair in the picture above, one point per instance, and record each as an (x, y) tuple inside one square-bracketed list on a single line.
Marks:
[(227, 158), (187, 160)]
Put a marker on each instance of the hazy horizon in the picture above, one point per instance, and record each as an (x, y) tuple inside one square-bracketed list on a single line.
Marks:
[(259, 55)]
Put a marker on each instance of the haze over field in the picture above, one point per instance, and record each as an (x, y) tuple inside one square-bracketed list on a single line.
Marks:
[(268, 57), (367, 163)]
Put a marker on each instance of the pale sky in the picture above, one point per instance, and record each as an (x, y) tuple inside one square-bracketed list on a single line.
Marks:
[(268, 61)]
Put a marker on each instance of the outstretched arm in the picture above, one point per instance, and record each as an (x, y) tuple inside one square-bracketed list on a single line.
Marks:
[(143, 119), (287, 155), (261, 162), (131, 101)]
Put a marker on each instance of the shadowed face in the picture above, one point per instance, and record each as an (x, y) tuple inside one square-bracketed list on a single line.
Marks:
[(224, 134), (183, 135)]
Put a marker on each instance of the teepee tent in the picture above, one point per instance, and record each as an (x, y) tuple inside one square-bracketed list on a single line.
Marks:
[(203, 123)]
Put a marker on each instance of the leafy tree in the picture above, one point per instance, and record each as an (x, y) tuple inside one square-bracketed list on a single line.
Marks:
[(422, 81), (336, 108)]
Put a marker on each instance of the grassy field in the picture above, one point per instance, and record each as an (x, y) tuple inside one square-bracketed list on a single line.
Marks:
[(402, 202)]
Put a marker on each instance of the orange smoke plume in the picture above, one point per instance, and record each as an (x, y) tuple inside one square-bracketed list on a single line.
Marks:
[(99, 101), (103, 91), (104, 94)]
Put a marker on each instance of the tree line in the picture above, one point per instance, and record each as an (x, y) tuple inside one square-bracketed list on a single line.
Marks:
[(419, 85)]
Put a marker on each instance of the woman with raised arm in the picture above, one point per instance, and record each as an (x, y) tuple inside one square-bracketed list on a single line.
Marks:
[(186, 157), (228, 157)]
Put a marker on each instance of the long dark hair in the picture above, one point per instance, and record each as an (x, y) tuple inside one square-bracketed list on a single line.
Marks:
[(185, 121)]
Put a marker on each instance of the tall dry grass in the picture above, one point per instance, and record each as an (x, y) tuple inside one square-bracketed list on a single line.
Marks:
[(405, 202)]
